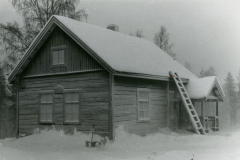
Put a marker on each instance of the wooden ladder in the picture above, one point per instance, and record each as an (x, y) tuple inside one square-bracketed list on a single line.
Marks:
[(198, 128)]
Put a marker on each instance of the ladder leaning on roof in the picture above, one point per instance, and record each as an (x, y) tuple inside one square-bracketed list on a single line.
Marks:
[(198, 128)]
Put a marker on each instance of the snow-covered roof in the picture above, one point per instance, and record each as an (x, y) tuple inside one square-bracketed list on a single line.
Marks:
[(205, 88), (125, 53), (120, 52)]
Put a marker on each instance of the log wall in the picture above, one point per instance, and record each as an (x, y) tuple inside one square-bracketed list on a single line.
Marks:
[(94, 101), (125, 104)]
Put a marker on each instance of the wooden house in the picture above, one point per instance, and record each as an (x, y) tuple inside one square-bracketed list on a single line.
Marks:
[(75, 74)]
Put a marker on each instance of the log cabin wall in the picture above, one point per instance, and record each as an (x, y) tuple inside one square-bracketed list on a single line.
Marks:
[(42, 74), (75, 58), (125, 109), (173, 106), (94, 99)]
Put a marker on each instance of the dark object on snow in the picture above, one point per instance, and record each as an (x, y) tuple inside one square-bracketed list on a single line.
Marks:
[(192, 157), (104, 140), (93, 143)]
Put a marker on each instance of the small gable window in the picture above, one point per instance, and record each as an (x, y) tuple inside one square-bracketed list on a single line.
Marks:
[(58, 55), (46, 107), (143, 104)]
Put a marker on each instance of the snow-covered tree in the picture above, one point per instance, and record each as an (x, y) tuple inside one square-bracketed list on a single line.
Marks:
[(231, 93), (238, 86), (161, 39)]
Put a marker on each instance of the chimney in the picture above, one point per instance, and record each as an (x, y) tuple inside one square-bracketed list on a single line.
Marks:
[(113, 27)]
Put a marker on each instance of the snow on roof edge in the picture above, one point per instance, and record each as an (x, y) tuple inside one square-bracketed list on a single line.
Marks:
[(199, 88)]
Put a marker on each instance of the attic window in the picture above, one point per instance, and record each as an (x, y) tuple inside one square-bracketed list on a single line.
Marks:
[(58, 55)]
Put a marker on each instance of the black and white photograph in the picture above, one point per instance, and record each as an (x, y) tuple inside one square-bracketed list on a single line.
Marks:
[(119, 80)]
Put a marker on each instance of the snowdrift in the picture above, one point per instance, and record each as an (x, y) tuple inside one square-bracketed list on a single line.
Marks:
[(165, 145)]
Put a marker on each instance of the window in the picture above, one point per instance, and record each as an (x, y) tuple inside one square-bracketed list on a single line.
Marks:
[(143, 105), (72, 106), (46, 107), (58, 55)]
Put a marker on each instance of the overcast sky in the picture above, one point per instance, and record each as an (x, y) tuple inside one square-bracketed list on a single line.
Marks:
[(204, 32)]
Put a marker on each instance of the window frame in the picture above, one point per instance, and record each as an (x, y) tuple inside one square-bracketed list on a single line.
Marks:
[(59, 48), (39, 106), (138, 106), (80, 106)]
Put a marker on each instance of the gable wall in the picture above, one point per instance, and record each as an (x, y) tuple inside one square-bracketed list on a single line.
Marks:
[(76, 58), (94, 101), (125, 104)]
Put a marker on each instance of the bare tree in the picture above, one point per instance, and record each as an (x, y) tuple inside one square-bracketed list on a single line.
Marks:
[(161, 39), (35, 13), (3, 98)]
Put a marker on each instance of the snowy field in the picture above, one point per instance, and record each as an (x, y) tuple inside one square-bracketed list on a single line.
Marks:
[(165, 145)]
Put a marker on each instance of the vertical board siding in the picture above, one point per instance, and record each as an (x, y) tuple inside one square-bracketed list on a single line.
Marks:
[(76, 59), (94, 101), (125, 104)]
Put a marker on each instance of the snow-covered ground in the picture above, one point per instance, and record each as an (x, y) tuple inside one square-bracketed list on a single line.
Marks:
[(165, 145)]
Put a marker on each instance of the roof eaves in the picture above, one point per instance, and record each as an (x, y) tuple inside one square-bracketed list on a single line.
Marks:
[(217, 84), (146, 76), (32, 47)]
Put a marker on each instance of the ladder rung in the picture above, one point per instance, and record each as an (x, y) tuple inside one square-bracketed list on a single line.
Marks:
[(188, 105)]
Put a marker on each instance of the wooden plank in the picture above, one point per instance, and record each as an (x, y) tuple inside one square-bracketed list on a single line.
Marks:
[(95, 112), (28, 111), (28, 102), (159, 103), (125, 109), (125, 118), (95, 95), (24, 122), (31, 106), (28, 117), (84, 76)]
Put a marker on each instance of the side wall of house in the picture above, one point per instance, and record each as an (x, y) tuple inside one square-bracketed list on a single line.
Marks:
[(94, 101), (125, 110)]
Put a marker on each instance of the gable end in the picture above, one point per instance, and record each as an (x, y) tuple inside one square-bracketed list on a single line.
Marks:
[(40, 40)]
